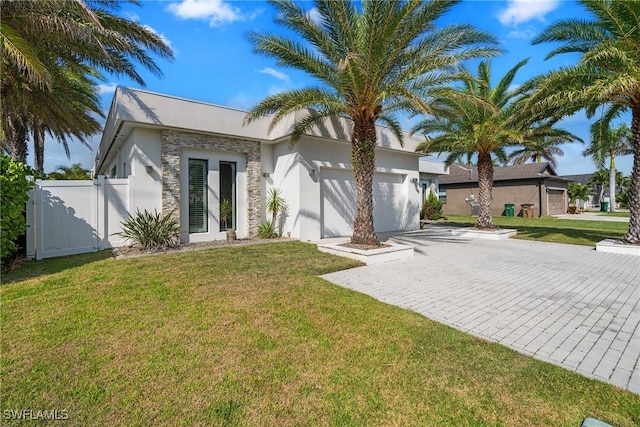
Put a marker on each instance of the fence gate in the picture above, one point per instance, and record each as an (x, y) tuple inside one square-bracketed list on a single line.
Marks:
[(72, 217)]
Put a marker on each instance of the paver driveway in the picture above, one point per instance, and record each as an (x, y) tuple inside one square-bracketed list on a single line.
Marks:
[(564, 304)]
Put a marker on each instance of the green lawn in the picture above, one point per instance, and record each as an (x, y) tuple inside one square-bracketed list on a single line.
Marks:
[(251, 336), (551, 229)]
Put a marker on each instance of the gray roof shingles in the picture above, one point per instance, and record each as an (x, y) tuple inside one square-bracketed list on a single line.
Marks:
[(461, 174)]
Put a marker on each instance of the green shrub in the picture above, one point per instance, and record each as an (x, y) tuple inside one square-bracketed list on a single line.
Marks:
[(14, 188), (151, 231), (266, 231), (431, 207)]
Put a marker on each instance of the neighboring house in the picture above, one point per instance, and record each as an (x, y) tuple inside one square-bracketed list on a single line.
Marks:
[(184, 156), (429, 177), (536, 184), (594, 199)]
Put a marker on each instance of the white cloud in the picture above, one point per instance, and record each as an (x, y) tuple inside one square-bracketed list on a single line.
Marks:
[(314, 15), (217, 12), (520, 11), (526, 33), (131, 16), (109, 88), (275, 73)]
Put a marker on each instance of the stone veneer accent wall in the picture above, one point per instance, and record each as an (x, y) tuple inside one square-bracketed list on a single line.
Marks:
[(172, 144)]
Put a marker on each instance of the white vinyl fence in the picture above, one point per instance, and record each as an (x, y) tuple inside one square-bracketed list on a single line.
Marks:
[(72, 217)]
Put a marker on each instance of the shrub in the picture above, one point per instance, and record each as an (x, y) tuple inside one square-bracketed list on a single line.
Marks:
[(151, 231), (14, 188), (431, 207), (266, 231)]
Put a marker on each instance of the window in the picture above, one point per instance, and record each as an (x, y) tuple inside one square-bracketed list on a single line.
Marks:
[(425, 189), (198, 196), (442, 195), (113, 172), (228, 195)]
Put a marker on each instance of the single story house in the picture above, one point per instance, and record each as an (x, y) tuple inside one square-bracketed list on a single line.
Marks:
[(535, 184), (185, 157)]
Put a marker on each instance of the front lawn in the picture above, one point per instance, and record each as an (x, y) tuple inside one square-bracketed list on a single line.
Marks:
[(551, 229), (251, 336)]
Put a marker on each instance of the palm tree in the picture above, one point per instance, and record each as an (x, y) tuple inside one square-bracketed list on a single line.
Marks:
[(608, 142), (51, 51), (371, 59), (606, 75), (599, 180), (544, 148), (483, 121), (75, 171)]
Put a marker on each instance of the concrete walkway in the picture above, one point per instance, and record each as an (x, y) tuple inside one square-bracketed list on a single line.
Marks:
[(593, 216), (564, 304)]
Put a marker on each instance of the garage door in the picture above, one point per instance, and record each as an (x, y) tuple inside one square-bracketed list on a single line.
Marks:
[(557, 204), (338, 193)]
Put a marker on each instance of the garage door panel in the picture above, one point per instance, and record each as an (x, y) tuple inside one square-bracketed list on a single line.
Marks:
[(556, 202), (339, 202), (338, 194)]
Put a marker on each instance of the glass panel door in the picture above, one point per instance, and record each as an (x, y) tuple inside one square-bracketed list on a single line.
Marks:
[(198, 196), (227, 196)]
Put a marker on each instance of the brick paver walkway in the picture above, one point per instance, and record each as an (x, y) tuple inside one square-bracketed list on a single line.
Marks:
[(563, 304)]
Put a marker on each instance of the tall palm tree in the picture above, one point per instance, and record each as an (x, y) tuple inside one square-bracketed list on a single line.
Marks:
[(607, 74), (483, 120), (51, 51), (371, 59), (544, 148), (607, 142)]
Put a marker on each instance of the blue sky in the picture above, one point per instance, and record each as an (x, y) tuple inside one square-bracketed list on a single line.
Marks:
[(215, 63)]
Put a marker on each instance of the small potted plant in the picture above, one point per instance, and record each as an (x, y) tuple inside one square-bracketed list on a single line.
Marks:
[(226, 210)]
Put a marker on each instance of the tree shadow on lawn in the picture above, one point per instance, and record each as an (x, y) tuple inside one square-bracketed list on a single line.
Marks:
[(31, 269)]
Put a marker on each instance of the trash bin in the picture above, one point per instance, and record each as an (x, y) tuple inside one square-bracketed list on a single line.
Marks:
[(604, 206), (509, 209), (474, 210), (527, 210)]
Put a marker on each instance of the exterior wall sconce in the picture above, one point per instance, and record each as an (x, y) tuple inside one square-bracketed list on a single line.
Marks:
[(265, 174), (149, 169)]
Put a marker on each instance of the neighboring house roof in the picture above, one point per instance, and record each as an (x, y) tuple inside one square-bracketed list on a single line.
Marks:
[(133, 107), (459, 174), (580, 179)]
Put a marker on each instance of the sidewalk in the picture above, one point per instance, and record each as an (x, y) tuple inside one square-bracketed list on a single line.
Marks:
[(593, 216), (563, 304)]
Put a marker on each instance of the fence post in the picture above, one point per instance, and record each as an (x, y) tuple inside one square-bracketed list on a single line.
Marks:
[(101, 225)]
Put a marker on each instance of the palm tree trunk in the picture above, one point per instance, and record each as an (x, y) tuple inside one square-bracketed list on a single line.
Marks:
[(363, 145), (612, 189), (633, 234), (16, 133), (38, 146), (485, 186)]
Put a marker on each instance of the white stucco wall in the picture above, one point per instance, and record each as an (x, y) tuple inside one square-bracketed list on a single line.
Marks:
[(285, 176), (325, 159)]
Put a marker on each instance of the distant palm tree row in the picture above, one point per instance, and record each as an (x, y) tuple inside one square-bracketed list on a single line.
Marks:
[(53, 54)]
